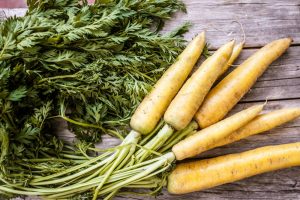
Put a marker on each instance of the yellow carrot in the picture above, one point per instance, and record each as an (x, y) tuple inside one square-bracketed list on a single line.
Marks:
[(235, 54), (203, 174), (205, 138), (186, 103), (261, 123), (221, 99), (151, 109)]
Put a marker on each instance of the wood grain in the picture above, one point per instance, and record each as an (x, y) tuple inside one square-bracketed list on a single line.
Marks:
[(263, 21)]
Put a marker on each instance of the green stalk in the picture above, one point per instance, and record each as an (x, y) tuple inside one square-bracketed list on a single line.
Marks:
[(108, 173), (138, 165), (165, 159), (38, 167), (56, 192), (129, 178), (4, 140), (109, 131), (127, 171), (128, 175), (87, 163), (87, 170), (129, 154), (19, 192), (147, 138), (133, 177), (75, 181), (128, 157), (57, 77), (45, 154), (178, 136), (93, 175), (132, 138), (74, 157), (40, 160), (155, 143), (111, 195)]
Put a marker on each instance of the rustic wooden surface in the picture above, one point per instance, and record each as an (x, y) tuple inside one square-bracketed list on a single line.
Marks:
[(263, 21)]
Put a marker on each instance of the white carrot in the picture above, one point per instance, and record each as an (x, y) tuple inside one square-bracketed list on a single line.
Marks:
[(152, 108), (204, 174), (205, 138)]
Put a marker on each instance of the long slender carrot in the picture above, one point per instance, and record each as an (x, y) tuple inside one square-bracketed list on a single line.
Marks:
[(203, 174), (261, 123), (205, 138), (221, 99), (235, 54), (189, 98), (156, 102)]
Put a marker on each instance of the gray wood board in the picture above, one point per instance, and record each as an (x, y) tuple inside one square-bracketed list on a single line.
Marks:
[(263, 21)]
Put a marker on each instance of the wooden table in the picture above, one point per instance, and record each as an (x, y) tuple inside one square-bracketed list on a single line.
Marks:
[(263, 21)]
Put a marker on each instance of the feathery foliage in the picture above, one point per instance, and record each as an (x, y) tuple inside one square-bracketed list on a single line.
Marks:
[(89, 64)]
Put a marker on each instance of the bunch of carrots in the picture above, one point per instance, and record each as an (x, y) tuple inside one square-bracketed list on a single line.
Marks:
[(152, 147), (179, 101)]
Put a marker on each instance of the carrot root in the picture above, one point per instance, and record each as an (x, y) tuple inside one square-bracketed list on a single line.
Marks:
[(152, 108), (204, 174), (205, 138)]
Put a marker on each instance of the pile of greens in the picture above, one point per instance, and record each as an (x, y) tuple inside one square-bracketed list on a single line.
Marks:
[(88, 64)]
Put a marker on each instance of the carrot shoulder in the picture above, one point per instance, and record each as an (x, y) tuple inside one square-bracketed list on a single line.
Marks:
[(204, 174), (221, 99), (189, 98), (156, 102)]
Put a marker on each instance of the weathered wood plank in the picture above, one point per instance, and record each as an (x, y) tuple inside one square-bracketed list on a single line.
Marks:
[(263, 21), (5, 12)]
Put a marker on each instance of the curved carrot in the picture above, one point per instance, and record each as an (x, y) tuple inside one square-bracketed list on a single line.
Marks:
[(205, 138), (221, 99), (259, 124), (189, 98), (156, 102), (203, 174)]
